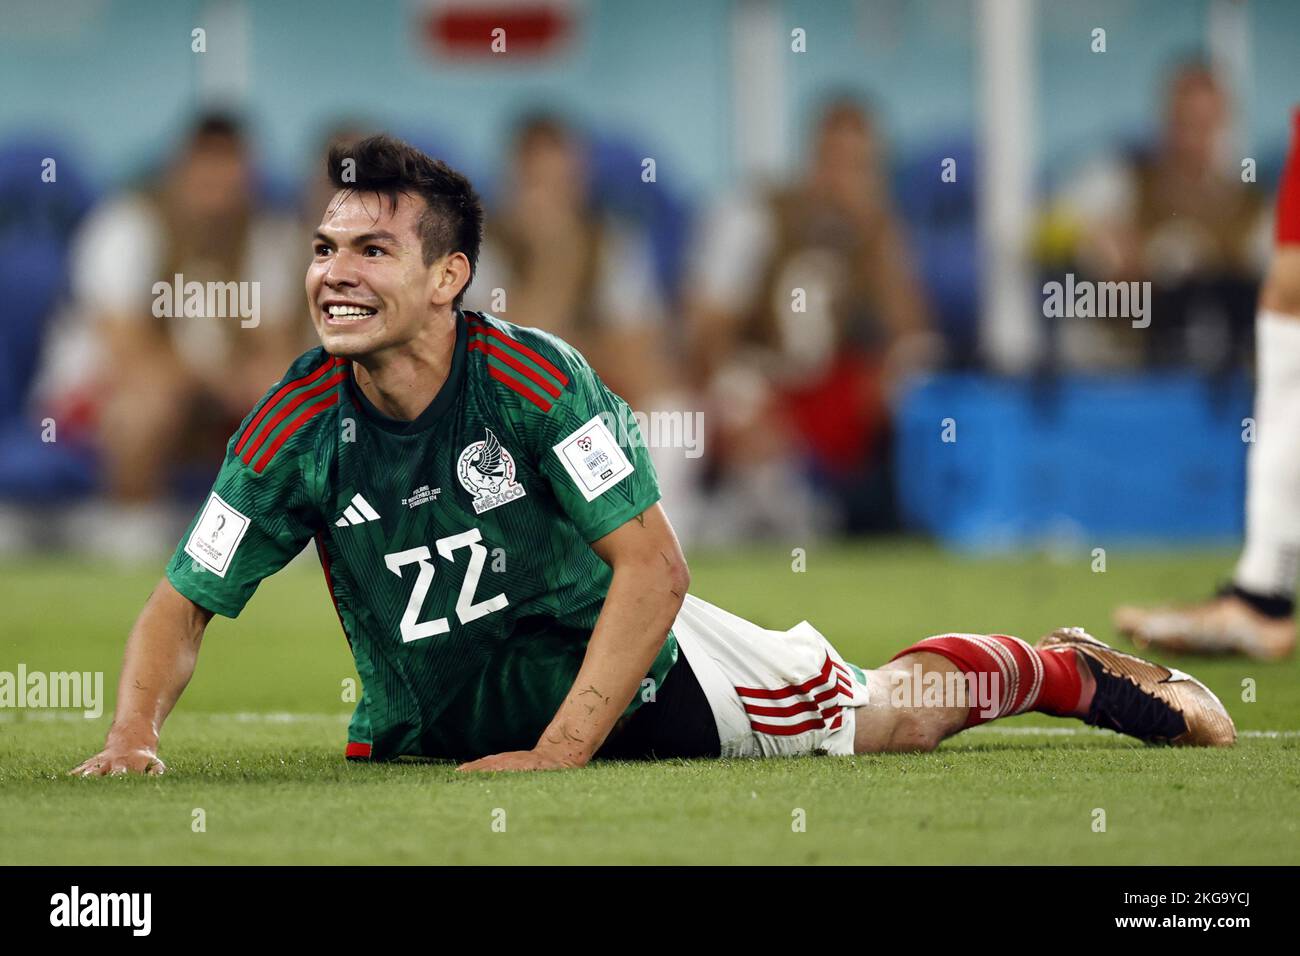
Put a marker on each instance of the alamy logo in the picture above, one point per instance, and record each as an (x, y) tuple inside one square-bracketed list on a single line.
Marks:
[(75, 908), (950, 689), (487, 471), (1098, 300), (359, 512), (208, 300), (56, 690)]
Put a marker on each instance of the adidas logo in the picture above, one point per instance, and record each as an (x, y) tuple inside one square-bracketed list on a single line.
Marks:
[(359, 512)]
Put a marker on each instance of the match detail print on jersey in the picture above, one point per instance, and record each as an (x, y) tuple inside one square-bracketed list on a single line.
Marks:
[(216, 535), (593, 459)]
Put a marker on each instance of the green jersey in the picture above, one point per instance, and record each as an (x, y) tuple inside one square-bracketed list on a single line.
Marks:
[(456, 546)]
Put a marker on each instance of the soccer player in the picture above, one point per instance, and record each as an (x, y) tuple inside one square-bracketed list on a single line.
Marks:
[(1255, 614), (513, 594)]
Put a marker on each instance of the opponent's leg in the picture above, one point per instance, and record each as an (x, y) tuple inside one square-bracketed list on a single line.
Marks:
[(1255, 615), (1068, 674)]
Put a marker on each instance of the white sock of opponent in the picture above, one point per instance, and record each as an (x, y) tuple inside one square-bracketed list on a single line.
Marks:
[(1268, 562)]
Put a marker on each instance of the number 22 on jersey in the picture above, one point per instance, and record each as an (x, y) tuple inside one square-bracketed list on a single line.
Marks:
[(467, 610)]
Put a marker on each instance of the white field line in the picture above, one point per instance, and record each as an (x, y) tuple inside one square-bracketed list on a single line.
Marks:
[(244, 717), (1095, 731), (284, 717)]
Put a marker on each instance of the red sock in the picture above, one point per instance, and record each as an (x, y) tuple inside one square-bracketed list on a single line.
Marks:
[(1287, 226), (1018, 677)]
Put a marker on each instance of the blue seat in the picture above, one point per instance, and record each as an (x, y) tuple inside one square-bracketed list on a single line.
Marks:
[(656, 208), (37, 222), (941, 224), (1155, 459)]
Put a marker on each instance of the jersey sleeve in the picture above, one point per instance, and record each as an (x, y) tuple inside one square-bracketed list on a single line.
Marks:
[(260, 512), (589, 447)]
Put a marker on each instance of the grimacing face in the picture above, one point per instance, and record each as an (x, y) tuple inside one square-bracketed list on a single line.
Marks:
[(367, 285)]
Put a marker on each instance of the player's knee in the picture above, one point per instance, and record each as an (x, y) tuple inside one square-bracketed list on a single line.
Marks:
[(914, 731)]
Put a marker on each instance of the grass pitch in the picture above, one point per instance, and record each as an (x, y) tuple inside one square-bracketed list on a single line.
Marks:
[(256, 742)]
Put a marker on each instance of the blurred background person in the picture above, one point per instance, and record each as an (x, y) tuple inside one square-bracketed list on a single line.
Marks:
[(555, 258), (1177, 213), (158, 389), (567, 266), (794, 321), (804, 311), (1254, 614)]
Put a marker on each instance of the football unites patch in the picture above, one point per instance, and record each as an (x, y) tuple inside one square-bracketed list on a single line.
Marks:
[(593, 459)]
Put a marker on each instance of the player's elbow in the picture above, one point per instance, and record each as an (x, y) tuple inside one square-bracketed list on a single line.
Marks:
[(663, 577), (678, 578)]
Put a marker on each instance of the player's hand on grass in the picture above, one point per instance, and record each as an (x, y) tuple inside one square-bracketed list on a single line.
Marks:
[(518, 760), (120, 759)]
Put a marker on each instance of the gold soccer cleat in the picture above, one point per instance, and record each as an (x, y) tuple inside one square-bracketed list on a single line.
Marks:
[(1154, 703)]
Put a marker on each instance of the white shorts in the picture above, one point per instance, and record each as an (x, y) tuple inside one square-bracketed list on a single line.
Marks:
[(773, 693)]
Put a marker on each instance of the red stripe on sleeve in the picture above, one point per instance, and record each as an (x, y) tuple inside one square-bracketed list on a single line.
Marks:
[(524, 349), (519, 387), (284, 390), (329, 579), (478, 345), (288, 409), (294, 425)]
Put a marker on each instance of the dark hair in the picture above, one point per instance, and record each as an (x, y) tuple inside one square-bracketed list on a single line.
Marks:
[(1191, 66), (453, 218), (217, 124), (541, 125), (840, 106)]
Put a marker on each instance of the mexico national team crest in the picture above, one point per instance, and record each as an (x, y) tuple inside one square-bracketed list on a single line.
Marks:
[(488, 473)]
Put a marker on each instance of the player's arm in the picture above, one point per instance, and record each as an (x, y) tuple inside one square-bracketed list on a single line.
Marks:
[(647, 590), (604, 483), (645, 595), (260, 513), (160, 657)]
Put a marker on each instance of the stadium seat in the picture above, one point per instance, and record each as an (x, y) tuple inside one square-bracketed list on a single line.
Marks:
[(616, 181), (37, 222), (1143, 460), (940, 218)]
